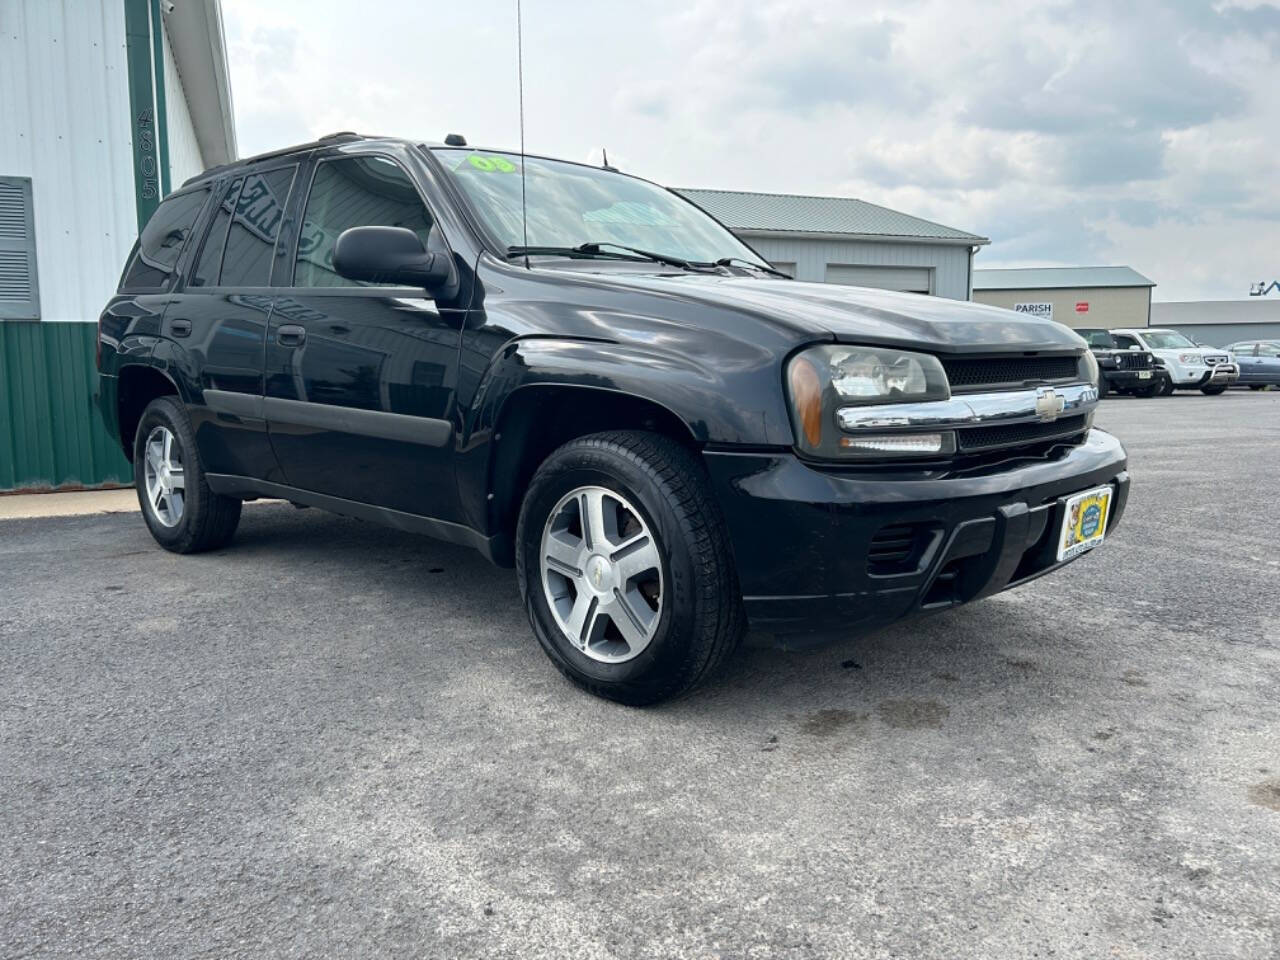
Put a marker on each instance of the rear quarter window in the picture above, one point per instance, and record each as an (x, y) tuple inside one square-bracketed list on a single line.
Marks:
[(154, 260)]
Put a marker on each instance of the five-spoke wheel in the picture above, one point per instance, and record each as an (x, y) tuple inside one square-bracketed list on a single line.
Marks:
[(602, 574), (164, 476)]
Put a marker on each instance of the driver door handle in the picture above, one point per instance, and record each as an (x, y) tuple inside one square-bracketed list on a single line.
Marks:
[(291, 335)]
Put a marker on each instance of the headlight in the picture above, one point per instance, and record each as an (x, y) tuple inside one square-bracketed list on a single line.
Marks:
[(1188, 358), (1091, 366), (825, 378)]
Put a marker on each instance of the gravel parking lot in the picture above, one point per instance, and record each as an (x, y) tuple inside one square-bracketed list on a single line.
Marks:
[(335, 740)]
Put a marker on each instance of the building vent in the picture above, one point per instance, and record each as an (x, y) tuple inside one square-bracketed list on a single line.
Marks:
[(19, 294)]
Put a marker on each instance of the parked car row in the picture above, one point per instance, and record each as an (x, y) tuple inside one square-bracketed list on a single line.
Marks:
[(1146, 361)]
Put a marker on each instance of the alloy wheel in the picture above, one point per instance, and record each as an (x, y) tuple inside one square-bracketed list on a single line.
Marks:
[(602, 574), (164, 476)]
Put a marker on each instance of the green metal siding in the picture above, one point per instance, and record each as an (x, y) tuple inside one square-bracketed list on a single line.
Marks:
[(51, 433)]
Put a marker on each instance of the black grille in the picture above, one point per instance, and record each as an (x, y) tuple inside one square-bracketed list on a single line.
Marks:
[(892, 547), (1013, 434), (1133, 360), (967, 373)]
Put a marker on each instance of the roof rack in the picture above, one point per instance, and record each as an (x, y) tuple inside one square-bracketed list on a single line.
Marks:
[(339, 137)]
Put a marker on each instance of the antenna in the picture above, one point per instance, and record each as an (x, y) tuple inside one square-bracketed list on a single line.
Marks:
[(524, 208)]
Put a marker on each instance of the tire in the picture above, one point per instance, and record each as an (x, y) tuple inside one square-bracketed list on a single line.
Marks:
[(1104, 388), (647, 484), (200, 519), (1166, 390), (1213, 391)]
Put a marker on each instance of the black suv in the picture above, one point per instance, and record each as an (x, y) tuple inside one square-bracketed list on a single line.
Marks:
[(666, 438), (1132, 370)]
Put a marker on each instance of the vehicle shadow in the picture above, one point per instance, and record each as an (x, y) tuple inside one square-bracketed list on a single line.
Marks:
[(911, 674)]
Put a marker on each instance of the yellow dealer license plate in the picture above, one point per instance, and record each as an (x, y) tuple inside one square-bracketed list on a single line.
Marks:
[(1085, 523)]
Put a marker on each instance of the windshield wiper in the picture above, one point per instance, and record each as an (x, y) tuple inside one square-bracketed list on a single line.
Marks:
[(730, 261), (573, 252), (667, 258)]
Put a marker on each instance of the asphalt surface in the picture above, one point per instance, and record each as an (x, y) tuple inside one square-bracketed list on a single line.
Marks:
[(336, 740)]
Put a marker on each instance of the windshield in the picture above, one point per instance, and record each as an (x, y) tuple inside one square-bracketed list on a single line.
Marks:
[(1166, 340), (570, 204), (1097, 338)]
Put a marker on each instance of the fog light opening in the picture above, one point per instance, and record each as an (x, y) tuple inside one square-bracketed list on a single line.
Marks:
[(917, 444)]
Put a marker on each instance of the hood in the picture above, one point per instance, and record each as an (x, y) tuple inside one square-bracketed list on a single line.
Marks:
[(860, 314)]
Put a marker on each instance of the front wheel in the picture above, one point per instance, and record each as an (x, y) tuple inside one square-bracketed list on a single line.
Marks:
[(180, 510), (624, 567), (1167, 389), (1213, 391), (1104, 388)]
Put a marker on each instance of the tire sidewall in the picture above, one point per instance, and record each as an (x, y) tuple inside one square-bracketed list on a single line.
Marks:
[(165, 412), (666, 652)]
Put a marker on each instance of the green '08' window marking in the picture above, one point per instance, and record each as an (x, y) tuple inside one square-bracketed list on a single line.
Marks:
[(491, 164)]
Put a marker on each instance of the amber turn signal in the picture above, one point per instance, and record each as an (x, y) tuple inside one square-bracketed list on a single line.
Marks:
[(806, 394)]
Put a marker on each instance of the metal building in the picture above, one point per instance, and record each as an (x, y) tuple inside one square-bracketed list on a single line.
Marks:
[(1220, 322), (1074, 296), (843, 240), (107, 105)]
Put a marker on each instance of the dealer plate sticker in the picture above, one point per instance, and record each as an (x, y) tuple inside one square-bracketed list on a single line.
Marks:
[(1085, 522)]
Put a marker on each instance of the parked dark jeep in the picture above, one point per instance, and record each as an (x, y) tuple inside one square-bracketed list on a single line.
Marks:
[(1124, 370), (666, 438)]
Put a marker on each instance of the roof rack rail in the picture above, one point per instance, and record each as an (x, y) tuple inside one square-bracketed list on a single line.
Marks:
[(342, 135)]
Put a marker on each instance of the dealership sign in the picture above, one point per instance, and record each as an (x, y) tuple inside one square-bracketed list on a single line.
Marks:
[(1042, 310), (1082, 306)]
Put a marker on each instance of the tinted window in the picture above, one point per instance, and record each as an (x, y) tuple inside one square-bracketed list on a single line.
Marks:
[(156, 255), (1097, 338), (215, 241), (355, 192), (255, 224), (1124, 342)]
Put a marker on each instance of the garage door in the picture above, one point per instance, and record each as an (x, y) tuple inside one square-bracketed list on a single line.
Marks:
[(909, 279)]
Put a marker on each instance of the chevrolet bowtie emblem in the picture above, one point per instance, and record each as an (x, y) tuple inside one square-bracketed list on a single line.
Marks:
[(1049, 403)]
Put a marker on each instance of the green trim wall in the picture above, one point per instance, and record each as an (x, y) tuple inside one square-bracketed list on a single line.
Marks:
[(51, 433)]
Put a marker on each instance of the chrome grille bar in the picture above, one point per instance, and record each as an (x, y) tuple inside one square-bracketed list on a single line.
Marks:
[(1043, 404)]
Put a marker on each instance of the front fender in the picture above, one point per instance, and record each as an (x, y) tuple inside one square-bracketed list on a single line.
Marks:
[(721, 400)]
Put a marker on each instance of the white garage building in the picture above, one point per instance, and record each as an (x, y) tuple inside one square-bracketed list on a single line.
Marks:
[(843, 240)]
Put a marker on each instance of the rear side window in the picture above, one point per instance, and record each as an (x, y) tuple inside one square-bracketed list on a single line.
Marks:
[(215, 242), (356, 192), (1124, 342), (254, 226), (155, 258)]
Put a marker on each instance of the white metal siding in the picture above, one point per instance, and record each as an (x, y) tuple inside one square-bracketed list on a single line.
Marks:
[(64, 122), (949, 263), (184, 150)]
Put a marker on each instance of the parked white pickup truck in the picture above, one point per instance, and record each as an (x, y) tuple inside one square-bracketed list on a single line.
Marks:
[(1189, 366)]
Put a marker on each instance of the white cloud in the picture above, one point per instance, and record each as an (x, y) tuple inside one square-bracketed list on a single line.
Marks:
[(1081, 131)]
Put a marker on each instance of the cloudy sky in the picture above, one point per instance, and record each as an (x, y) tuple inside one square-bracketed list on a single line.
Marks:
[(1075, 132)]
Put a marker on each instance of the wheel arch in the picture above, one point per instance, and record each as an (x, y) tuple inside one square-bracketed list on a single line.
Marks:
[(138, 385)]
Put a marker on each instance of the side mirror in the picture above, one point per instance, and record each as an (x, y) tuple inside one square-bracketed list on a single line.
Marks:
[(390, 255)]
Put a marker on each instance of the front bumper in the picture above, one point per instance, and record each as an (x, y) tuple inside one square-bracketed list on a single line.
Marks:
[(802, 536), (1223, 373), (1129, 379)]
